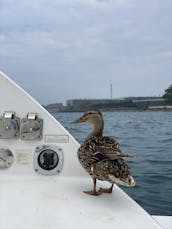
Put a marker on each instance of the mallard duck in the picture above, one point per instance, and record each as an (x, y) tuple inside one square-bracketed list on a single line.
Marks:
[(101, 156)]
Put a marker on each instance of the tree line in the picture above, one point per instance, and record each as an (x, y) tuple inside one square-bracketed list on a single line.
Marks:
[(168, 95)]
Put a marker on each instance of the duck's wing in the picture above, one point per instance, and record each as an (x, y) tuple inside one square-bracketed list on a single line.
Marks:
[(110, 154), (106, 148)]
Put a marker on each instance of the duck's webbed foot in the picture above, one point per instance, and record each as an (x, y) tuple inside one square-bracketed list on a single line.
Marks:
[(93, 192), (106, 190)]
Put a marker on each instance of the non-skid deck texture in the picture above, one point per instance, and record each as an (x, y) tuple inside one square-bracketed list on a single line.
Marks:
[(58, 202)]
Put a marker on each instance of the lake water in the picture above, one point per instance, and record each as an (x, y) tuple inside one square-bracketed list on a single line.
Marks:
[(148, 135)]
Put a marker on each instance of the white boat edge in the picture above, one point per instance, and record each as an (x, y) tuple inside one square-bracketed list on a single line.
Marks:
[(23, 188)]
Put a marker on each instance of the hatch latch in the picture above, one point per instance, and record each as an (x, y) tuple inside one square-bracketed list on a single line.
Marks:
[(9, 125), (31, 127)]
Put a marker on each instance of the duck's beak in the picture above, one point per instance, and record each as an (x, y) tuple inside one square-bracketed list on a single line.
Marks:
[(79, 120)]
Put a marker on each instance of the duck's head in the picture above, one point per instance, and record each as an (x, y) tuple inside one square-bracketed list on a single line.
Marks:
[(92, 116), (95, 118)]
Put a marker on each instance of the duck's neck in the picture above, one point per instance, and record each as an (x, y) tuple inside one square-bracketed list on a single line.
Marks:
[(97, 130)]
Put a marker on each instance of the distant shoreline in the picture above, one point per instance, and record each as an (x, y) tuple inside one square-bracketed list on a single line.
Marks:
[(116, 110), (129, 104)]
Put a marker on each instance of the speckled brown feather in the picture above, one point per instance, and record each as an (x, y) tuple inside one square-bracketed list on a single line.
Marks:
[(102, 159)]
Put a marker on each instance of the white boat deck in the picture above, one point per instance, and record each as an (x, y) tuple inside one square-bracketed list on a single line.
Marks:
[(58, 202), (164, 221)]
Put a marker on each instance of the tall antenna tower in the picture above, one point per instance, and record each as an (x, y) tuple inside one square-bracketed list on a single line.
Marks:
[(111, 91)]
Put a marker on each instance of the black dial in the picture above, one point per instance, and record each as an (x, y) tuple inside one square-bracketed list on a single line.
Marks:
[(48, 159)]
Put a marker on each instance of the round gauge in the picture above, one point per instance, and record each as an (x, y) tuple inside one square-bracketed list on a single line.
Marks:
[(48, 159), (6, 158)]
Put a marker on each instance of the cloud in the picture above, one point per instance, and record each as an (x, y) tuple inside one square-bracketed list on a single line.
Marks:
[(49, 45)]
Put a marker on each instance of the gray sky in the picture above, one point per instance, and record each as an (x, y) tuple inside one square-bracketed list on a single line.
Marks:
[(63, 49)]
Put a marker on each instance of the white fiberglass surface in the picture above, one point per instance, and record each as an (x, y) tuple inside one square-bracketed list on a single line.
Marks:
[(51, 202)]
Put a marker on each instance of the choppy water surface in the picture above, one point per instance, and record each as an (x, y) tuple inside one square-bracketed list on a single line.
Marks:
[(148, 135)]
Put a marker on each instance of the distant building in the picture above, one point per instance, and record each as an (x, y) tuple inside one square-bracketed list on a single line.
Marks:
[(145, 103), (78, 102), (126, 103), (83, 104), (154, 108), (129, 103)]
